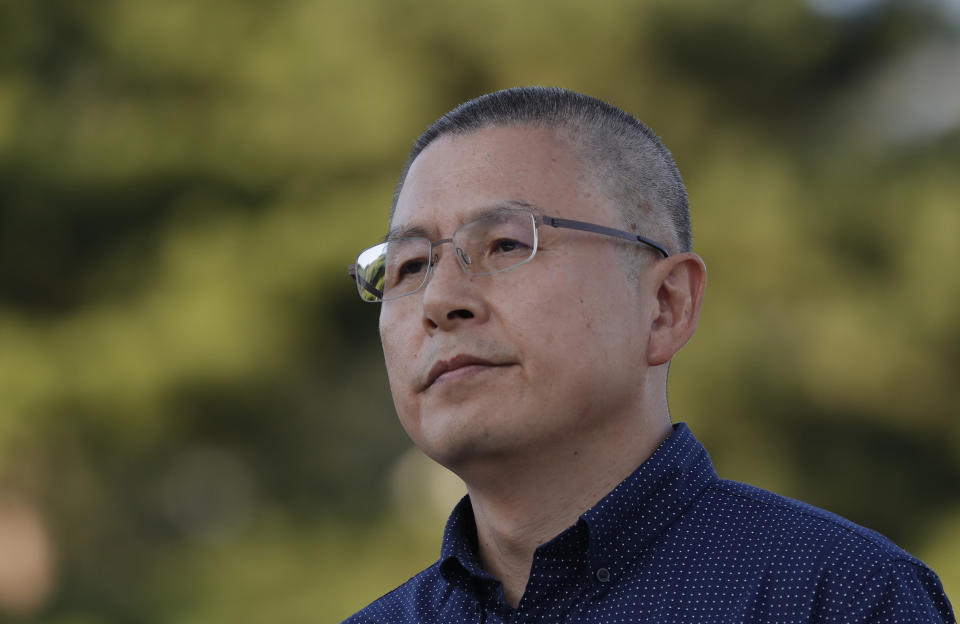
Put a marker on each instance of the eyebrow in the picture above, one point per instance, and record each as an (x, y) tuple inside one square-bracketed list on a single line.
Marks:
[(406, 231)]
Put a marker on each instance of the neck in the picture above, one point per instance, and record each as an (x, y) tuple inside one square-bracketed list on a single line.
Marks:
[(529, 499)]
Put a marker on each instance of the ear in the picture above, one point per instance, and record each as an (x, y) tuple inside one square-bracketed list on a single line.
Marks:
[(680, 282)]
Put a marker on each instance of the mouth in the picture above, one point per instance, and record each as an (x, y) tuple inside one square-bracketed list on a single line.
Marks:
[(445, 369)]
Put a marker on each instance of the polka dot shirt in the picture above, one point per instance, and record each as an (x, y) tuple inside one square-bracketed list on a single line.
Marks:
[(674, 543)]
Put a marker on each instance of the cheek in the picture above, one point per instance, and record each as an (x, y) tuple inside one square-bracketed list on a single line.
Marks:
[(584, 323), (398, 353)]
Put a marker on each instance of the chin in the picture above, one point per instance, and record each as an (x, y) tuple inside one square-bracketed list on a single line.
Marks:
[(459, 447)]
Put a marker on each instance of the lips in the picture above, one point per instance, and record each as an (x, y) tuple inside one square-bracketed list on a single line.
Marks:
[(460, 361)]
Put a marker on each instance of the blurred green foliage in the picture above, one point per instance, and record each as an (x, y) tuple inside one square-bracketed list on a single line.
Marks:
[(194, 418)]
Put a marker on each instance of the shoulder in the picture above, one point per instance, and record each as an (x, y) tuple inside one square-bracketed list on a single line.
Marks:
[(797, 525), (852, 573), (406, 602)]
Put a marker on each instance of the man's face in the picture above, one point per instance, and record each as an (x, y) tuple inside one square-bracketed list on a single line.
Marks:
[(536, 357)]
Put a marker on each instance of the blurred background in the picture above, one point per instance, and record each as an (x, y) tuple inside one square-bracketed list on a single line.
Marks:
[(195, 424)]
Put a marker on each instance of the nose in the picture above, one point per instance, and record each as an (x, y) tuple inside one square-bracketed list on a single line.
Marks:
[(451, 297)]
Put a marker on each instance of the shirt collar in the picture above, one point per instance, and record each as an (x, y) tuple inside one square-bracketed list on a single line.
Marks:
[(648, 501), (460, 543), (640, 507)]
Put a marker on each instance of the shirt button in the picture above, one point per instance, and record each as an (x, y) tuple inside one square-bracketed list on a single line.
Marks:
[(603, 575)]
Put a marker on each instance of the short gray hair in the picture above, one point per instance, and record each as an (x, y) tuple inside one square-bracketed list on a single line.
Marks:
[(632, 163)]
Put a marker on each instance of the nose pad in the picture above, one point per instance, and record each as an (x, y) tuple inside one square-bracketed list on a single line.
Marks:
[(464, 257)]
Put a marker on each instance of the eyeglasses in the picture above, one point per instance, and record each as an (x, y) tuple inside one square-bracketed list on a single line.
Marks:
[(495, 242)]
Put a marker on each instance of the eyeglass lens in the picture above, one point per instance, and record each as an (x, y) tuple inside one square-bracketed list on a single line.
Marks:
[(495, 242)]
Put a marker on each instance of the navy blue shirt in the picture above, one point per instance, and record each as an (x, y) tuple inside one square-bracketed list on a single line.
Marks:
[(674, 543)]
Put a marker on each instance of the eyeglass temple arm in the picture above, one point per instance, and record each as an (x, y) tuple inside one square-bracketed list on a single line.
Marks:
[(370, 288), (570, 224)]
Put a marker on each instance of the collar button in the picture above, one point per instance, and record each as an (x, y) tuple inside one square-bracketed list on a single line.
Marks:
[(603, 575)]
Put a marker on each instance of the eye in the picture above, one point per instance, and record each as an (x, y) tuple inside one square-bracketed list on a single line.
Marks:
[(411, 267), (507, 245)]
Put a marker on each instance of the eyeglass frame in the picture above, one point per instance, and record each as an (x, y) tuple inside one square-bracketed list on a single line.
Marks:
[(538, 221)]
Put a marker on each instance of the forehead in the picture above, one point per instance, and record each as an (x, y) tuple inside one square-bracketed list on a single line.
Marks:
[(458, 176)]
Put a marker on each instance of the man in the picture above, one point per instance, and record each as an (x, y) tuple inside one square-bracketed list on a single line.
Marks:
[(536, 281)]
